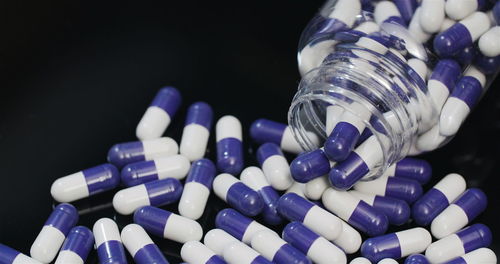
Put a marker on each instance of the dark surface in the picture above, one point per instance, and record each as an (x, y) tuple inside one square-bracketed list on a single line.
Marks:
[(77, 77)]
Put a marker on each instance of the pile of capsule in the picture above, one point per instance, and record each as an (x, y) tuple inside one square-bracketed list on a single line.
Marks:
[(324, 223)]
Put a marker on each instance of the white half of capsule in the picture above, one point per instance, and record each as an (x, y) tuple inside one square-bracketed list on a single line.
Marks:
[(47, 244), (438, 92), (23, 259), (297, 188), (222, 183), (323, 223), (447, 23), (367, 198), (267, 243), (387, 261), (277, 171), (68, 257), (419, 67), (452, 219), (346, 11), (432, 15), (323, 251), (416, 30), (452, 185), (194, 252), (176, 166), (445, 249), (194, 141), (333, 115), (70, 188), (128, 200), (480, 255), (193, 200), (253, 228), (488, 43), (356, 119), (349, 239), (431, 139), (217, 240), (341, 203), (311, 56), (159, 147), (371, 152), (376, 187), (477, 23), (360, 260), (254, 178), (459, 9), (153, 123), (453, 114), (182, 229), (239, 253), (228, 127), (384, 10), (314, 188), (413, 240), (134, 238), (289, 144), (105, 230)]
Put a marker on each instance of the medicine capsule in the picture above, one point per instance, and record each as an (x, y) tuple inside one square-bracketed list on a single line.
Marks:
[(397, 211), (387, 12), (9, 255), (140, 245), (314, 188), (56, 228), (442, 81), (432, 14), (130, 152), (360, 260), (310, 165), (455, 245), (275, 166), (460, 9), (196, 131), (155, 193), (108, 242), (217, 240), (481, 255), (238, 225), (396, 245), (76, 247), (159, 114), (462, 211), (237, 194), (487, 65), (275, 249), (176, 166), (195, 252), (416, 30), (387, 261), (197, 189), (431, 139), (488, 42), (394, 187), (432, 203), (85, 183), (163, 223), (356, 212), (416, 259), (411, 168), (349, 239), (229, 147), (316, 247), (239, 253), (295, 208), (406, 8)]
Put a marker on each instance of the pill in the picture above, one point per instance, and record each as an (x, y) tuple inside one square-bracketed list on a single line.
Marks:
[(9, 255), (406, 8), (277, 250), (229, 145), (396, 245), (275, 166), (176, 166), (387, 261), (140, 245), (237, 194), (399, 188), (387, 12), (315, 188), (310, 165), (314, 53), (355, 211), (432, 15), (488, 43), (416, 259), (459, 9), (297, 188), (238, 225), (397, 211), (108, 242), (487, 65), (163, 223), (195, 252), (76, 247), (197, 189), (85, 183), (433, 202), (411, 168), (480, 255), (360, 260), (130, 152), (316, 247), (155, 193), (217, 240), (346, 12), (54, 231), (462, 211), (334, 112), (455, 245), (196, 131), (254, 178), (349, 239), (431, 139), (416, 30), (442, 81), (461, 35), (296, 208), (467, 55), (239, 253), (159, 114)]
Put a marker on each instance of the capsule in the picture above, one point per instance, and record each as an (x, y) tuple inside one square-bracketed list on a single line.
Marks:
[(163, 223), (197, 189), (461, 35), (195, 252), (487, 65), (239, 253), (431, 139), (85, 183), (397, 211), (416, 259), (76, 247), (316, 247), (396, 245), (455, 245), (140, 245), (387, 12), (275, 166), (394, 187), (196, 131), (237, 194), (432, 203), (9, 255), (488, 42), (360, 260), (229, 145), (460, 9), (254, 178), (458, 214), (481, 255), (275, 249), (54, 231), (217, 240), (387, 261), (432, 15), (314, 189), (108, 242), (310, 165), (130, 152), (411, 168), (155, 193), (176, 166), (442, 81), (295, 208), (406, 8), (238, 225), (416, 30), (159, 114)]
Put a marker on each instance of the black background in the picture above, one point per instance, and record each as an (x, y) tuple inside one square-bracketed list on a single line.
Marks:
[(76, 78)]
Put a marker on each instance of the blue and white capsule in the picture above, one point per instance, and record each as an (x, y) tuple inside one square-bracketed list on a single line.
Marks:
[(416, 30), (135, 151), (140, 246), (460, 9), (411, 168), (155, 193), (238, 225), (56, 228), (417, 259), (432, 14), (85, 183), (397, 211), (396, 245), (433, 202), (442, 81), (406, 8), (238, 195), (108, 242), (197, 189), (480, 255), (9, 255), (387, 12), (76, 247), (488, 42), (159, 114), (313, 189), (229, 137), (310, 165), (196, 131), (239, 253), (394, 187), (217, 240), (277, 250), (194, 252), (275, 166)]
